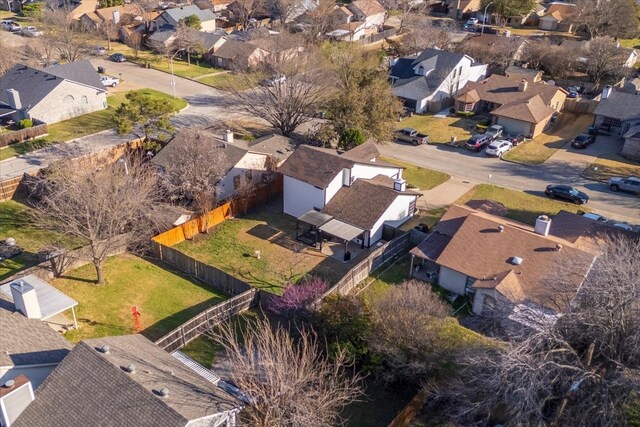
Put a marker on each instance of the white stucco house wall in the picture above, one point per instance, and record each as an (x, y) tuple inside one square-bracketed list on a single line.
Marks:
[(53, 94), (429, 81), (352, 187)]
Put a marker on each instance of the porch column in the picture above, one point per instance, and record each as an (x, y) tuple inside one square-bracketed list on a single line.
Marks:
[(411, 266), (75, 321)]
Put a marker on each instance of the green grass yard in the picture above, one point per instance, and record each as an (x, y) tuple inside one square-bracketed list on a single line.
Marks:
[(231, 246), (537, 151), (521, 206), (86, 124), (441, 130), (16, 222), (630, 43), (424, 179), (164, 298)]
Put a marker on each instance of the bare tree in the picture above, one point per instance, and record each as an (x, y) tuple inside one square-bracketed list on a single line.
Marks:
[(188, 41), (560, 61), (535, 51), (498, 56), (422, 34), (102, 205), (108, 29), (294, 90), (244, 10), (405, 9), (604, 60), (615, 18), (146, 9), (582, 370), (134, 41), (194, 171), (289, 382), (68, 38), (405, 330), (320, 20), (9, 56)]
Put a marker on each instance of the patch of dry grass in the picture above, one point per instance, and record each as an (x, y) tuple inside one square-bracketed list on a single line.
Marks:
[(610, 165)]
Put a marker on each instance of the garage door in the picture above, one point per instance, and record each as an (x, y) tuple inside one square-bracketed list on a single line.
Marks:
[(514, 126)]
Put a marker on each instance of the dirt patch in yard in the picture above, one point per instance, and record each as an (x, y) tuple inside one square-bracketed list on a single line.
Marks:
[(611, 165), (537, 151)]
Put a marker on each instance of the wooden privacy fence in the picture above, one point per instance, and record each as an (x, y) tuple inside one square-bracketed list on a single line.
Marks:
[(204, 321), (208, 274), (220, 214), (20, 135), (375, 260), (581, 106)]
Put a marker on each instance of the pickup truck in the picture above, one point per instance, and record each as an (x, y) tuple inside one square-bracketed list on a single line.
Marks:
[(109, 81), (630, 184), (411, 135), (31, 32)]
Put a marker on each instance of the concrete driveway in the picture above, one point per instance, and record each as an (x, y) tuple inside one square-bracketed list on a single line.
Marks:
[(476, 167)]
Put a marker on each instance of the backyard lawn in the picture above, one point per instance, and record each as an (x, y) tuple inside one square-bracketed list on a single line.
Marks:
[(424, 179), (15, 222), (86, 124), (441, 130), (165, 298), (630, 43), (521, 206), (610, 165), (231, 246), (537, 151), (430, 217)]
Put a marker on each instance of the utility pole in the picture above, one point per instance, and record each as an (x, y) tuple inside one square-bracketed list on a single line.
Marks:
[(484, 17)]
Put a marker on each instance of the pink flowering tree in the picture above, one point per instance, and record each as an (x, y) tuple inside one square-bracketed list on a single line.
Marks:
[(296, 298)]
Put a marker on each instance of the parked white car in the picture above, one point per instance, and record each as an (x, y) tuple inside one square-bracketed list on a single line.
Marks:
[(495, 132), (10, 25), (472, 21), (31, 32), (498, 148), (110, 81)]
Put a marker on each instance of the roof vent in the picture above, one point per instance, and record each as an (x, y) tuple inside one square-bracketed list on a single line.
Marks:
[(543, 225), (103, 349), (500, 228), (130, 368), (516, 260), (9, 384), (163, 392), (558, 247)]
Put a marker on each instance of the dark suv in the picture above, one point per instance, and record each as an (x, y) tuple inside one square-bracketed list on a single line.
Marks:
[(478, 141)]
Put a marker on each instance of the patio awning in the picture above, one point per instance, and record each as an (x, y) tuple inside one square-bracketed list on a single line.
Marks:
[(6, 111), (315, 218), (51, 300), (341, 230)]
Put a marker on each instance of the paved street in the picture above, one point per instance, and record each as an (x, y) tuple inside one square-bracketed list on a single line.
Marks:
[(561, 168)]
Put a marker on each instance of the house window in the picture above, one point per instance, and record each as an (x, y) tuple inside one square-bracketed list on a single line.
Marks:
[(68, 98), (454, 73), (611, 122), (468, 286)]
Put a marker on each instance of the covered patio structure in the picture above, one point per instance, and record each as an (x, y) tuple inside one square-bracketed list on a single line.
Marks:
[(320, 226), (344, 232), (311, 234), (50, 301)]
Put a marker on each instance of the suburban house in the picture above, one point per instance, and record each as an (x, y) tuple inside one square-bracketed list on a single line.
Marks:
[(461, 9), (278, 147), (79, 8), (507, 265), (356, 20), (558, 17), (116, 15), (52, 94), (233, 54), (628, 57), (428, 81), (353, 190), (617, 111), (128, 380), (172, 17), (519, 105), (30, 347), (237, 166)]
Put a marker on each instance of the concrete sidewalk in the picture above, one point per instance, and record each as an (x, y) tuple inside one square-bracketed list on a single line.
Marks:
[(445, 193)]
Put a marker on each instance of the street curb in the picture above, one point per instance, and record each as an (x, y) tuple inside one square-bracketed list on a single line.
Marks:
[(582, 175), (520, 163), (8, 158), (182, 77)]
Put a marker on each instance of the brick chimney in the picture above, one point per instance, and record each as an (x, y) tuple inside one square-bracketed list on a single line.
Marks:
[(522, 87), (14, 99)]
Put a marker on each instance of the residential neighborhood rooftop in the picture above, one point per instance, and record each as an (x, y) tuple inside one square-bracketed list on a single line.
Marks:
[(124, 380), (619, 105)]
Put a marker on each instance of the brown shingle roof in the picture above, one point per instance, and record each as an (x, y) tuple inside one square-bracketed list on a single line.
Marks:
[(503, 90), (366, 152), (315, 166), (26, 341), (478, 249), (583, 231), (532, 110), (363, 203), (92, 388), (560, 11), (369, 7), (469, 97)]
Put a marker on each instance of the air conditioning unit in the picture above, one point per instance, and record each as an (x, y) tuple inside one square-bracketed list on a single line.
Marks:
[(358, 241)]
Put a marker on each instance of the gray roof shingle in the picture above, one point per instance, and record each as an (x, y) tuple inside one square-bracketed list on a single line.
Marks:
[(175, 15), (619, 105), (440, 61), (27, 341), (79, 71), (92, 388), (315, 166)]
